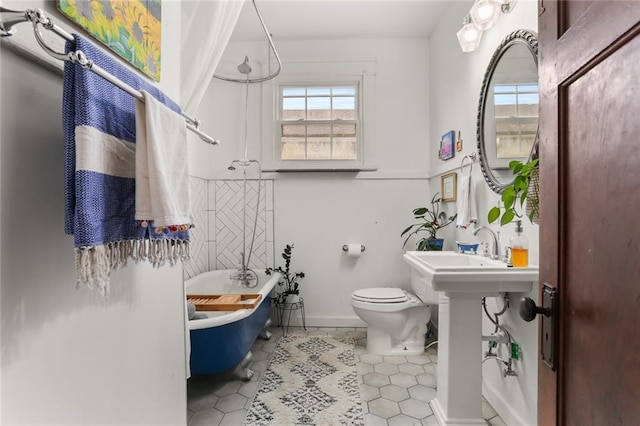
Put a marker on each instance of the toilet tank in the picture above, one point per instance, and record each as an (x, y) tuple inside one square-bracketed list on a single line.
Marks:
[(422, 288)]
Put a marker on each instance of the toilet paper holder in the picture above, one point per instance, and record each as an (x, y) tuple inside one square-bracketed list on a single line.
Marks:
[(346, 247)]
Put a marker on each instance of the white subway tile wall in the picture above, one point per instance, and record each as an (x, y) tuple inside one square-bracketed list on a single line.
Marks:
[(199, 261)]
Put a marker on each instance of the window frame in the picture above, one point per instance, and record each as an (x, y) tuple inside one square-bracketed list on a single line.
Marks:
[(357, 121), (517, 92), (321, 73)]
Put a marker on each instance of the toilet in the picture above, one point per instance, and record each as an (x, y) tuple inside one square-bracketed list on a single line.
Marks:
[(396, 318)]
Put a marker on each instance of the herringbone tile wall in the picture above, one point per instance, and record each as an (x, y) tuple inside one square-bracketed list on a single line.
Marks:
[(218, 209), (227, 207)]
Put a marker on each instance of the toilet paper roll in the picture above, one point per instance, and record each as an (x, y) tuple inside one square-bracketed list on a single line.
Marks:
[(354, 250)]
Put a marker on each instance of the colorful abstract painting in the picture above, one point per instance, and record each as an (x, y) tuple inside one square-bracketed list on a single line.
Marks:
[(131, 28)]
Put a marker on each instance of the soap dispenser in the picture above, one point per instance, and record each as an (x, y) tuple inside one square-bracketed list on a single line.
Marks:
[(519, 248)]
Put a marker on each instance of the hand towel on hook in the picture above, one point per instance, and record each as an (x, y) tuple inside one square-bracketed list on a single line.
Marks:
[(467, 204), (100, 143), (162, 169)]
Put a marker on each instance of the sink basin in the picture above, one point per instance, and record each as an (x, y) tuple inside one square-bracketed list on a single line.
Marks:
[(449, 271)]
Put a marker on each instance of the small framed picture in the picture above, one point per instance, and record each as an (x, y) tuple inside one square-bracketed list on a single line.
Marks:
[(447, 144), (449, 186)]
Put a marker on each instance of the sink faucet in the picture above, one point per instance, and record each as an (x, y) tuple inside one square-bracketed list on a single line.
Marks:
[(495, 250)]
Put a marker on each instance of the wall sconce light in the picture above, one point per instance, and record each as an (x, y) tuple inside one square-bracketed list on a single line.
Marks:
[(506, 6), (469, 35), (484, 13), (482, 16)]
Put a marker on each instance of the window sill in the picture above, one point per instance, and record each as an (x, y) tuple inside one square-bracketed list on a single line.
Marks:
[(315, 169)]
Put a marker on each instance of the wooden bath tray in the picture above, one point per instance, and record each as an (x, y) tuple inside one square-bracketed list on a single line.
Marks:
[(224, 302)]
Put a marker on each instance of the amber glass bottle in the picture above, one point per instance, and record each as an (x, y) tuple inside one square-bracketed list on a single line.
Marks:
[(519, 248)]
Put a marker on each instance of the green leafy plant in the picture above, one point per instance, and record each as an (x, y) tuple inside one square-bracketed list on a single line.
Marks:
[(431, 223), (516, 194), (289, 280)]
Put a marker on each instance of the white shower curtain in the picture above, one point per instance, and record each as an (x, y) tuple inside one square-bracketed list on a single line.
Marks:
[(206, 28)]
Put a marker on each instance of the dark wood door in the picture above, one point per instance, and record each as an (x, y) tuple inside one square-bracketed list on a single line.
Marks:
[(590, 209)]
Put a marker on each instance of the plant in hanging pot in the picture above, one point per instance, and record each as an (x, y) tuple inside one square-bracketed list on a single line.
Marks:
[(524, 188), (289, 282), (431, 223)]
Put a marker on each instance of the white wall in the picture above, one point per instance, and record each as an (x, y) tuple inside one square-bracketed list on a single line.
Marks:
[(455, 83), (320, 212), (69, 356)]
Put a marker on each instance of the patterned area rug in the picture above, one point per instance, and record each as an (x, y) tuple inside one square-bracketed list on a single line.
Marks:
[(311, 380)]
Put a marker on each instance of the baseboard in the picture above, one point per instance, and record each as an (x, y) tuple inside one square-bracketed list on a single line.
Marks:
[(502, 407), (337, 322), (296, 321)]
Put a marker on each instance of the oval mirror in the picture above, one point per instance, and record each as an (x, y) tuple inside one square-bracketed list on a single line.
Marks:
[(507, 127)]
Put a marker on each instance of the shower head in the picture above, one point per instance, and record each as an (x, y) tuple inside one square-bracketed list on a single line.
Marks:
[(244, 67), (244, 163), (232, 166)]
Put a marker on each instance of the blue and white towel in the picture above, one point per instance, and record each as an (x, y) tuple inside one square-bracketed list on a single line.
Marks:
[(100, 144)]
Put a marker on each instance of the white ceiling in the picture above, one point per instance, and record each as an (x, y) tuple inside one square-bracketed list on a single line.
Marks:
[(337, 19)]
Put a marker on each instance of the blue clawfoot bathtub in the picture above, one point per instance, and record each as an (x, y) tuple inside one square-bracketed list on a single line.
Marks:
[(224, 339)]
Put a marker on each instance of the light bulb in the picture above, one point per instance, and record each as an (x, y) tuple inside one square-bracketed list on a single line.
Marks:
[(469, 37), (484, 13)]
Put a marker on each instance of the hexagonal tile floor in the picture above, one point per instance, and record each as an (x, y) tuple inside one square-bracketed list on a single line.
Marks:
[(395, 390)]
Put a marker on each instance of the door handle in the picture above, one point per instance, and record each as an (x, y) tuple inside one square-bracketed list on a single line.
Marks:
[(529, 309)]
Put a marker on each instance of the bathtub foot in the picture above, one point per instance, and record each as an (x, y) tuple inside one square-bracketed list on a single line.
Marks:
[(242, 370), (266, 334), (247, 375)]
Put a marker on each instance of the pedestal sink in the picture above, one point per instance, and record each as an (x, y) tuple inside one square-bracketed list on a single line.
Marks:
[(463, 280)]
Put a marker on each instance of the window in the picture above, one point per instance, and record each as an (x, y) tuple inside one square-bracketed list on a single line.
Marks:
[(516, 116), (320, 115), (319, 122)]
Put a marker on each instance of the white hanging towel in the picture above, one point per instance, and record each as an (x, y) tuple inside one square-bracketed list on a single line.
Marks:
[(467, 205), (162, 169)]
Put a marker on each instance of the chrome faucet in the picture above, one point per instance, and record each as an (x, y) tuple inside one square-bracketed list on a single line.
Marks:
[(241, 261), (246, 276), (495, 252)]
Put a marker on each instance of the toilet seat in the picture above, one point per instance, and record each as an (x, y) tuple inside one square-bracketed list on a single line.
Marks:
[(381, 295)]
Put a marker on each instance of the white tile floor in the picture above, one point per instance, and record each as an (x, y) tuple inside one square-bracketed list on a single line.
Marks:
[(395, 390)]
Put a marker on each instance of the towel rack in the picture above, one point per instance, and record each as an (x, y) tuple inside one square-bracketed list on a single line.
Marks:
[(9, 18), (472, 159)]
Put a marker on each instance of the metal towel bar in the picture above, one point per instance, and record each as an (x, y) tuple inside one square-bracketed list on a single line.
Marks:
[(9, 18)]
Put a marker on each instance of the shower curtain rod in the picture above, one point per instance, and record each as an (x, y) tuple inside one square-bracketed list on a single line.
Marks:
[(273, 48), (9, 18)]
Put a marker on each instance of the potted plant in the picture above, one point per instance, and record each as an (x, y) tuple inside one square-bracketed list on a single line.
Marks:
[(524, 188), (431, 223), (289, 280)]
